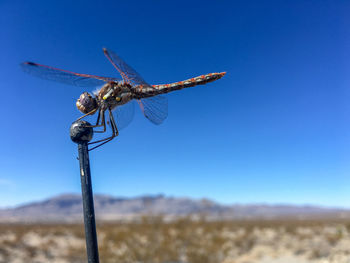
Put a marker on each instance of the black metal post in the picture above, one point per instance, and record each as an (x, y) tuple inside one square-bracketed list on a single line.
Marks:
[(81, 134)]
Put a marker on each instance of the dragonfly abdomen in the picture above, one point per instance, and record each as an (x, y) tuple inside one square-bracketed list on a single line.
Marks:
[(200, 80), (145, 92)]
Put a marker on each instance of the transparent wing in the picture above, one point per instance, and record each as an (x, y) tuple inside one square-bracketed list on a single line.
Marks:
[(64, 76), (124, 114), (154, 108), (127, 72)]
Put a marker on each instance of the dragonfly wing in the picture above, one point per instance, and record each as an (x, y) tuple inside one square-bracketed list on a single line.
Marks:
[(155, 108), (124, 114), (64, 76), (127, 72)]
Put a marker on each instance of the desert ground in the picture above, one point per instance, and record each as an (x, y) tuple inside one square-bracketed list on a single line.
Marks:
[(183, 240)]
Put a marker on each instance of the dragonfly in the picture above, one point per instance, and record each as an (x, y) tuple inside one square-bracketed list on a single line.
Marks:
[(117, 95)]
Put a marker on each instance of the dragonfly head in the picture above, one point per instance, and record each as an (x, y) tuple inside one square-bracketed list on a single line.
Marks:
[(86, 103)]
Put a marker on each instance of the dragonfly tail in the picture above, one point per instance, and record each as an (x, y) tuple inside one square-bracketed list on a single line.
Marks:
[(200, 80)]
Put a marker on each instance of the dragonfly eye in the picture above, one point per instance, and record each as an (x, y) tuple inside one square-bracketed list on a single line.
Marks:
[(86, 103)]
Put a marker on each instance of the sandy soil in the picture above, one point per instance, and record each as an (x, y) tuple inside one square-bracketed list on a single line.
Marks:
[(181, 241)]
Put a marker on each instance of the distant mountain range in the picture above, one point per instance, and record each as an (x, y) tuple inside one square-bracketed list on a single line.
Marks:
[(68, 208)]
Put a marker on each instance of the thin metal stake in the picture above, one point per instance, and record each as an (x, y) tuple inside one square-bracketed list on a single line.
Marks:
[(81, 133)]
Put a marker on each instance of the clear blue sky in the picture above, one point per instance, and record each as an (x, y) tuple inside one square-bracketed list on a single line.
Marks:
[(275, 129)]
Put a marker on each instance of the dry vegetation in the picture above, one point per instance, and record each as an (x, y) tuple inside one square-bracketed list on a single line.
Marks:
[(183, 240)]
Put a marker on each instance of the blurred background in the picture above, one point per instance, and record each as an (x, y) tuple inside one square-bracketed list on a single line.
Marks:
[(272, 133)]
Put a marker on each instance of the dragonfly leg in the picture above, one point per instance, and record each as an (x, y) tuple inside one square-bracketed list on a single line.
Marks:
[(97, 122), (108, 139), (113, 123), (87, 114), (103, 122)]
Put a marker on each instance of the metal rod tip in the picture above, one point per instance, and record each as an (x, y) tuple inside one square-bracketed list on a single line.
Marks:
[(81, 131)]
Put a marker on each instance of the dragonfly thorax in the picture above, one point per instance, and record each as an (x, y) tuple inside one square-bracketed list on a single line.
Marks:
[(86, 103), (113, 94)]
